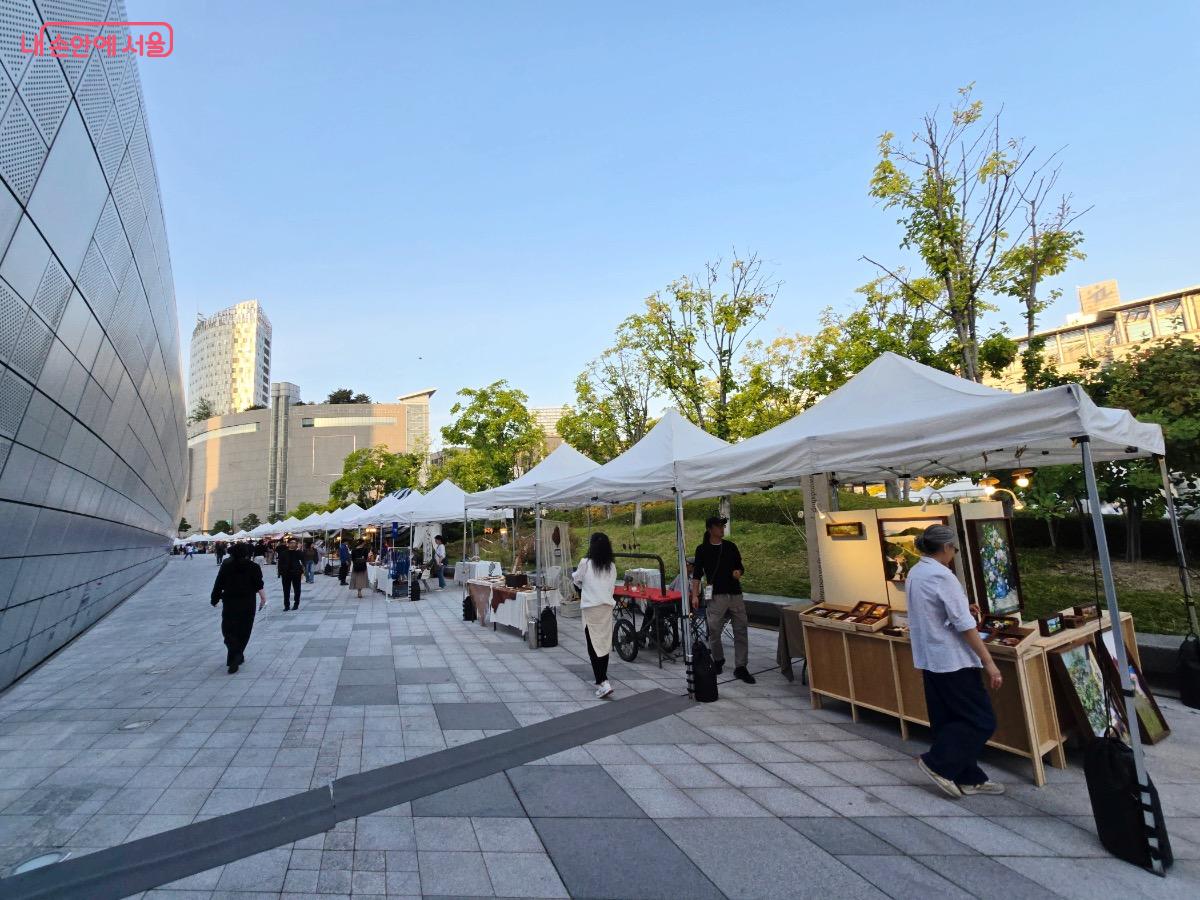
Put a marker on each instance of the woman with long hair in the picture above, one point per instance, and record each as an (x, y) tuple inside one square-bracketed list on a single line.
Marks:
[(595, 578)]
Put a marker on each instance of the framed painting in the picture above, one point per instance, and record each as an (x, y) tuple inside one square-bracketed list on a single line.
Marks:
[(897, 538), (994, 560), (845, 531), (1092, 705), (1152, 725)]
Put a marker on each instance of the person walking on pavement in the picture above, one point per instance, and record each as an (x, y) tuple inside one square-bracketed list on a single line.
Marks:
[(358, 567), (595, 578), (290, 566), (343, 560), (312, 556), (219, 550), (948, 650), (238, 580), (720, 562), (439, 560)]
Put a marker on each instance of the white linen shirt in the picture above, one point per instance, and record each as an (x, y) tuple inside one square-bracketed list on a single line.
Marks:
[(938, 611), (595, 585)]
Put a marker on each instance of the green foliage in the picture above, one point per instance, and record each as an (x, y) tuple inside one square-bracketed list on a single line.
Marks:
[(249, 522), (370, 472), (470, 469), (306, 509), (274, 517), (184, 525), (494, 422), (773, 385), (612, 404), (346, 395), (221, 525), (255, 406), (202, 410)]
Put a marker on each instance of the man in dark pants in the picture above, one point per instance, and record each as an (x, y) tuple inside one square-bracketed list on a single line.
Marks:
[(290, 566), (720, 562), (343, 560), (948, 650), (238, 580)]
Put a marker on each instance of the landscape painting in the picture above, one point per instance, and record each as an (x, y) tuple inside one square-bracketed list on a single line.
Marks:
[(898, 540), (1083, 684)]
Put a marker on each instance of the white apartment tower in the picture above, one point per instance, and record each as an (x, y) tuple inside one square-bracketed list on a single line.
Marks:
[(231, 359)]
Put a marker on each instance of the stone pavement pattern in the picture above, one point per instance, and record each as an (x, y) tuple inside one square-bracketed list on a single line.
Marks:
[(136, 728)]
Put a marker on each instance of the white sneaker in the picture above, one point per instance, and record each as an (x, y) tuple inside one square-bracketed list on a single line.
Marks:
[(988, 787), (603, 691)]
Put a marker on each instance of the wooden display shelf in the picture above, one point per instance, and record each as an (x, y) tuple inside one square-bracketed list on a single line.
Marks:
[(875, 671)]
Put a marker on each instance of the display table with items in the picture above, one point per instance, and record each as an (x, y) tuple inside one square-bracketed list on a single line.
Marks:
[(498, 604), (467, 570), (380, 578), (1058, 672)]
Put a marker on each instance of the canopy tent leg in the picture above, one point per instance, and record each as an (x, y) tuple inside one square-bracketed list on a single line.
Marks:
[(516, 514), (463, 562), (531, 635), (685, 624), (1184, 579), (1118, 633)]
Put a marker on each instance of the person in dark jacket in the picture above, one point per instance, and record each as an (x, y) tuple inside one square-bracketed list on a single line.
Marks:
[(358, 567), (312, 556), (343, 560), (238, 580), (290, 566), (720, 563), (219, 549)]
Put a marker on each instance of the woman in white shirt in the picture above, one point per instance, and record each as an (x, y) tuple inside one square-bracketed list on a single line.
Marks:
[(595, 578)]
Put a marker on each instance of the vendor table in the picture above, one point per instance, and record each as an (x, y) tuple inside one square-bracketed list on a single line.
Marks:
[(496, 604), (467, 570), (380, 578), (791, 640), (875, 671)]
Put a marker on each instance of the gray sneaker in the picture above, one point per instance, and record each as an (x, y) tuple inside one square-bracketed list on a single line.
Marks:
[(948, 787), (988, 787)]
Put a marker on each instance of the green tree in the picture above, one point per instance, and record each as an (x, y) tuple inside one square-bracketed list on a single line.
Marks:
[(495, 422), (773, 385), (184, 525), (470, 469), (346, 395), (306, 509), (249, 522), (971, 206), (690, 337), (370, 472), (203, 409), (221, 525), (612, 405), (274, 517)]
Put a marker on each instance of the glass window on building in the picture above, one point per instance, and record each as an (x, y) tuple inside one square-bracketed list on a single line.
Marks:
[(1169, 316), (1102, 339), (1074, 346), (1137, 325)]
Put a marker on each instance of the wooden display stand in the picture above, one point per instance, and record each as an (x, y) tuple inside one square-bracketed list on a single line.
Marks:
[(875, 671)]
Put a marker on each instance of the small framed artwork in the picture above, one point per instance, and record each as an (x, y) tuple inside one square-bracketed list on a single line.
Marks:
[(1092, 704), (994, 560), (845, 531), (898, 538), (1152, 725)]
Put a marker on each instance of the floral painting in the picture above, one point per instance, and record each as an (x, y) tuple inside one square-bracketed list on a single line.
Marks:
[(996, 566)]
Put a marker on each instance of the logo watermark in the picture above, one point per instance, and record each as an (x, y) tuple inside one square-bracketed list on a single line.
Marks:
[(155, 40)]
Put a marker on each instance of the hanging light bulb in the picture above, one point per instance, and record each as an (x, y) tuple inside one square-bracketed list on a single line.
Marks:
[(988, 483), (1021, 477)]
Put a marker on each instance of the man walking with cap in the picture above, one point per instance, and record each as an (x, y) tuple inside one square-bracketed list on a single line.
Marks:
[(720, 562), (949, 652)]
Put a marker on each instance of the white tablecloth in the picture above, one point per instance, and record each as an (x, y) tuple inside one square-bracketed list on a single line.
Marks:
[(466, 571), (379, 577), (515, 613)]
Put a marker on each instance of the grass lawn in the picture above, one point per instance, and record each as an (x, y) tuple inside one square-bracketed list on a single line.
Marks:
[(776, 557)]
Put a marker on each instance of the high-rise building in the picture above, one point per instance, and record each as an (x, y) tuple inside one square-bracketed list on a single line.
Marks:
[(547, 418), (1107, 328), (230, 363), (92, 441), (268, 461)]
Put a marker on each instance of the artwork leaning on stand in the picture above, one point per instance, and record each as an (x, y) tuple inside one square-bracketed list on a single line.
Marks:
[(1092, 705), (994, 561), (898, 538)]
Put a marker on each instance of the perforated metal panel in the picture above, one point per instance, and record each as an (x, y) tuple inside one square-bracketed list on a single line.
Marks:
[(74, 11), (17, 17), (46, 94), (93, 96), (24, 151), (52, 293)]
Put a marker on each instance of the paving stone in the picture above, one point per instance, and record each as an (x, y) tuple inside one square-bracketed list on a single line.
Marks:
[(986, 836), (366, 676), (841, 836), (444, 833), (571, 791), (369, 626), (460, 874), (904, 878), (509, 835), (261, 872), (365, 695), (414, 640), (486, 716), (382, 661), (613, 858), (523, 875), (384, 833), (434, 675), (914, 837), (325, 647), (488, 797), (986, 878)]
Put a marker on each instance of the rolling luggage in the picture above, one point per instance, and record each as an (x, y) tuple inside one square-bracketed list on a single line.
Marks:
[(414, 589), (547, 628), (468, 610), (704, 674), (1121, 819)]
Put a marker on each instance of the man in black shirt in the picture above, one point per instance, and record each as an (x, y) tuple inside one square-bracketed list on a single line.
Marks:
[(238, 580), (290, 566), (720, 563)]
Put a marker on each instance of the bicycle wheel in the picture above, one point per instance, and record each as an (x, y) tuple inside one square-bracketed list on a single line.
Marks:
[(625, 640), (669, 635)]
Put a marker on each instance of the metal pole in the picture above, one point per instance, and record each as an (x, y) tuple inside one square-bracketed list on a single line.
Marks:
[(531, 623), (1184, 579), (1118, 633), (463, 561), (684, 602)]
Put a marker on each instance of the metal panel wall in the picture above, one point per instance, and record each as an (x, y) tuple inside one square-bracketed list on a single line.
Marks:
[(92, 449)]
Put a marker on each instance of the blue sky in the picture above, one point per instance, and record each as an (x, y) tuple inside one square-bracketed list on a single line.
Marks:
[(493, 186)]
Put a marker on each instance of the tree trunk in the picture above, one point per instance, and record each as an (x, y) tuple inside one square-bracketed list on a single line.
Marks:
[(1051, 527), (725, 510), (891, 489), (1133, 531)]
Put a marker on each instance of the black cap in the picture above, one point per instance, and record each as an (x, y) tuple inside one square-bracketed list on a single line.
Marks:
[(715, 520)]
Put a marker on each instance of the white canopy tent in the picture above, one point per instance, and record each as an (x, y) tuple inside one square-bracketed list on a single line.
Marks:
[(220, 536), (447, 503), (340, 518), (563, 463), (387, 510)]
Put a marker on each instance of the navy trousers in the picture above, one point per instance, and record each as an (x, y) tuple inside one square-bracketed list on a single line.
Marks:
[(962, 720)]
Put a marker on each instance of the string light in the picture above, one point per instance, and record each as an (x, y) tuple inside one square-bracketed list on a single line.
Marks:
[(988, 483), (1021, 477)]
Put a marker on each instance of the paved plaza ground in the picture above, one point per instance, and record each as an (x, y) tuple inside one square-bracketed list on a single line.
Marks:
[(136, 729)]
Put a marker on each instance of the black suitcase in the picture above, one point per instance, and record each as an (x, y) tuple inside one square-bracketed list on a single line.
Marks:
[(1117, 807), (1188, 670), (547, 628), (704, 674), (468, 610), (414, 589)]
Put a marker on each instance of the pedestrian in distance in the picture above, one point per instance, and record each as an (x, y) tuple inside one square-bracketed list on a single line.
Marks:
[(720, 562), (358, 567), (312, 556), (596, 577), (290, 567), (343, 560), (439, 560), (949, 651), (219, 550), (238, 580)]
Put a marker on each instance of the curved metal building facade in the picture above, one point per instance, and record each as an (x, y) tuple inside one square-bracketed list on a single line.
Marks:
[(92, 446)]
